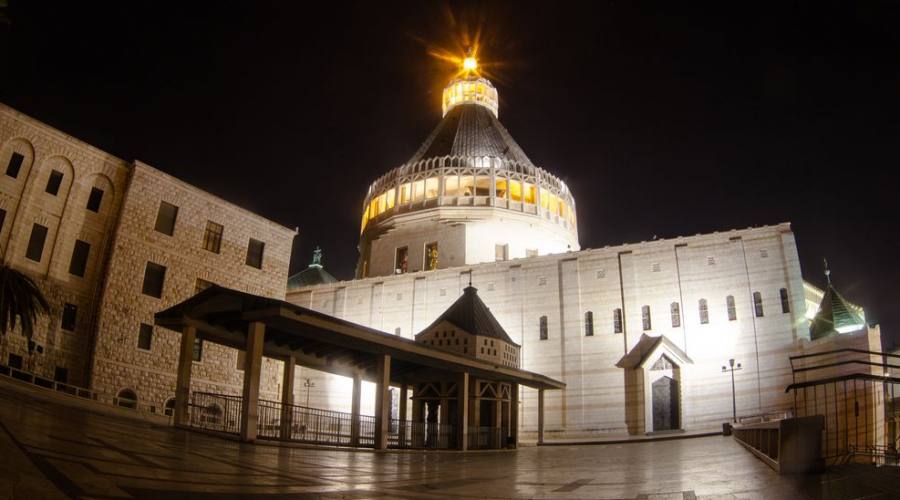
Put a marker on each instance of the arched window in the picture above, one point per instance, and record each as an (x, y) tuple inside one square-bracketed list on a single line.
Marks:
[(589, 324), (732, 311), (169, 408), (645, 317), (617, 321), (757, 304), (785, 303), (127, 398), (704, 312), (543, 328), (676, 314)]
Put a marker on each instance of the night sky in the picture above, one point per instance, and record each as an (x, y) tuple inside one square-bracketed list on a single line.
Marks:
[(663, 121)]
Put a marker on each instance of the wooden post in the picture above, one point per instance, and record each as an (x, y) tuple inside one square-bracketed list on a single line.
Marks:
[(497, 424), (462, 409), (252, 366), (443, 419), (540, 416), (183, 383), (287, 397), (514, 415), (418, 425), (354, 409), (475, 410), (401, 427), (382, 400)]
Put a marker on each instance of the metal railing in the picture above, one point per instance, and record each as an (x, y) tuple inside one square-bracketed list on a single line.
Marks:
[(216, 412), (484, 438), (31, 378), (408, 434), (313, 425)]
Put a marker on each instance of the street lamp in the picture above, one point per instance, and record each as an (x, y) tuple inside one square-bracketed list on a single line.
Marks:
[(731, 368), (309, 384)]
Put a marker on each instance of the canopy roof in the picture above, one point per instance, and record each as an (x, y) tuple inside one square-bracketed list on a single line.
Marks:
[(326, 343), (835, 315), (470, 313)]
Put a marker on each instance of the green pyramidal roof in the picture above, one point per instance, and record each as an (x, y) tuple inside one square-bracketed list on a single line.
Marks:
[(835, 316)]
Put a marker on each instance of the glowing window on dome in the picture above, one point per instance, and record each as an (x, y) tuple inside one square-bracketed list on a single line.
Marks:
[(515, 190), (545, 199), (382, 205), (467, 185), (562, 209), (404, 193), (373, 208), (390, 198), (530, 193), (482, 186), (501, 187), (418, 190), (431, 188), (365, 219), (554, 204), (451, 185)]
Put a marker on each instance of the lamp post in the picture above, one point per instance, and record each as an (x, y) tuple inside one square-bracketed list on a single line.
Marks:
[(731, 368), (309, 384)]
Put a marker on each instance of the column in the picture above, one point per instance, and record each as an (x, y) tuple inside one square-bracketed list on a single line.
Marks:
[(183, 383), (443, 420), (540, 416), (418, 425), (252, 366), (382, 400), (287, 397), (401, 427), (354, 409), (475, 412), (462, 409), (497, 424), (514, 415)]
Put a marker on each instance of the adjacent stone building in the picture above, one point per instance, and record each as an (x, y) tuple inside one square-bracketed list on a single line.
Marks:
[(110, 242)]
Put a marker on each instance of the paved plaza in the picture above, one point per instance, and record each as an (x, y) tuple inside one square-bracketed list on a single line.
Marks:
[(53, 450)]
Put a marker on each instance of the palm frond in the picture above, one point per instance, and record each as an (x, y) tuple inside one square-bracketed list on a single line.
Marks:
[(20, 301)]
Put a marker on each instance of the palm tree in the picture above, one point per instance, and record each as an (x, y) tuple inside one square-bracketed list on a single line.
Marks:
[(20, 298)]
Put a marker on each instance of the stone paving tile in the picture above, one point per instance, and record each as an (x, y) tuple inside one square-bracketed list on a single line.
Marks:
[(53, 451)]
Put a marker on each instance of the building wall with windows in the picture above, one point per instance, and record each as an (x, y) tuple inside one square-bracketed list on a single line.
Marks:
[(641, 281), (86, 227)]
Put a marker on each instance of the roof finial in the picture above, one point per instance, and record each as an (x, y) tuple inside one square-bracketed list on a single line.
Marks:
[(827, 271), (317, 257), (470, 277)]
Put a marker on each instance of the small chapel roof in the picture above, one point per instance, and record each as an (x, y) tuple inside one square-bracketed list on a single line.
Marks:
[(470, 313), (836, 314), (315, 274), (646, 346)]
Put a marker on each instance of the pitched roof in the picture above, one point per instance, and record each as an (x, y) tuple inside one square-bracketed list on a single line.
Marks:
[(312, 275), (835, 315), (469, 313), (646, 346), (470, 130)]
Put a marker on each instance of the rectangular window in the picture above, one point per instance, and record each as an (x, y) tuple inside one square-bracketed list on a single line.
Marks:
[(704, 312), (732, 310), (2, 218), (405, 193), (145, 337), (54, 182), (212, 238), (80, 253), (15, 361), (785, 303), (544, 334), (501, 252), (676, 314), (757, 304), (198, 349), (15, 164), (617, 321), (401, 260), (36, 242), (61, 375), (431, 188), (645, 317), (589, 324), (69, 315), (165, 218), (154, 277), (94, 199), (431, 256), (255, 251)]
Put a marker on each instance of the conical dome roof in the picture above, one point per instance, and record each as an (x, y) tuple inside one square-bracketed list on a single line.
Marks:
[(835, 315)]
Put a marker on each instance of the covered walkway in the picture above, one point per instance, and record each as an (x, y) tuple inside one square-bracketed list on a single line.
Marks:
[(458, 402)]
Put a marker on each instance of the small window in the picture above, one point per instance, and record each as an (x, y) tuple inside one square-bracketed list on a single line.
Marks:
[(589, 324), (170, 407), (601, 273), (675, 309), (80, 253), (732, 310), (710, 261), (542, 281), (617, 321), (2, 218), (69, 315), (442, 292), (255, 251), (431, 257), (15, 361), (212, 238), (127, 398), (94, 199), (501, 252), (544, 334), (15, 164), (655, 267), (197, 355), (401, 260), (785, 302), (145, 337), (36, 243), (757, 304), (61, 375), (704, 312), (397, 331), (154, 277), (645, 317), (54, 182), (165, 218), (763, 253), (490, 286)]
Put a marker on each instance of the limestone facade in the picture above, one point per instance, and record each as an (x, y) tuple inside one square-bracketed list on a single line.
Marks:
[(101, 350)]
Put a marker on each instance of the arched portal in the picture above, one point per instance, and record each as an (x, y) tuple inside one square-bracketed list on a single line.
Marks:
[(665, 404)]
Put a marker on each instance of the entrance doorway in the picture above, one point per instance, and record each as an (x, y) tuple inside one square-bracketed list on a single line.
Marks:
[(665, 404)]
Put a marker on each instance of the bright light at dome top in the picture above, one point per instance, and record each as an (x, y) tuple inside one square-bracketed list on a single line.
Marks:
[(470, 64)]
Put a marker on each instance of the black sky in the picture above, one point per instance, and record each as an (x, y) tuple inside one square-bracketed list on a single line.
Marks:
[(664, 119)]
